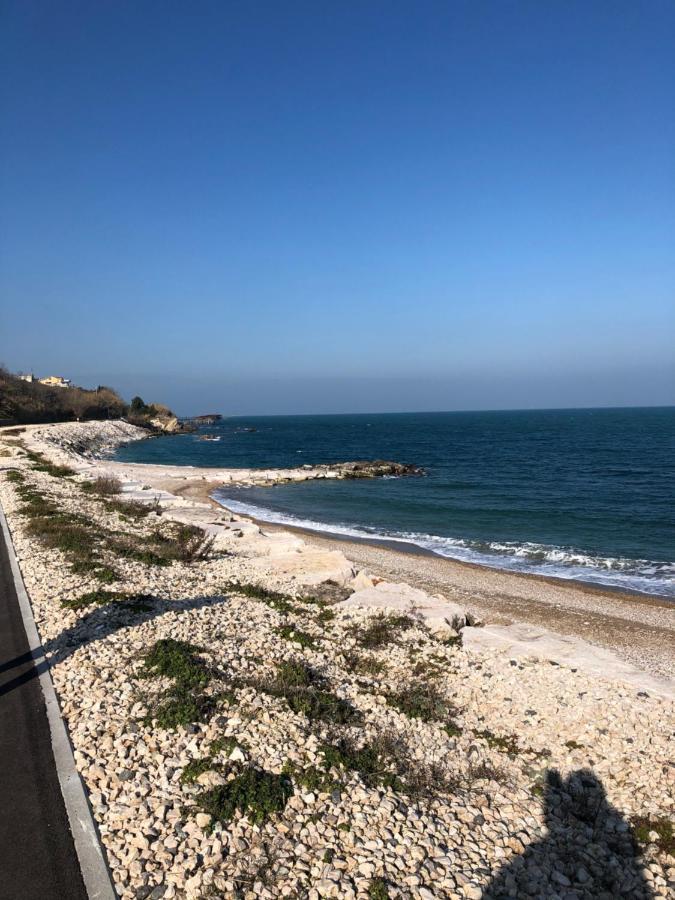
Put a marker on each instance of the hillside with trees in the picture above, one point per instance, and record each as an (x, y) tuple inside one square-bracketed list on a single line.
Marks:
[(23, 402)]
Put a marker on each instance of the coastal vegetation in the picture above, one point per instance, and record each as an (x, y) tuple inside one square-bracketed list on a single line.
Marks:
[(30, 402)]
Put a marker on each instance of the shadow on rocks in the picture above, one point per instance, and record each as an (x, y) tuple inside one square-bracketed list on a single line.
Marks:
[(589, 852), (98, 624)]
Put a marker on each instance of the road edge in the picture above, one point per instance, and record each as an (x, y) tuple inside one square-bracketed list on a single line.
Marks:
[(93, 865)]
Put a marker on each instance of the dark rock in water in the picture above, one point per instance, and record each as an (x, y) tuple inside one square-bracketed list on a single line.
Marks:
[(378, 469)]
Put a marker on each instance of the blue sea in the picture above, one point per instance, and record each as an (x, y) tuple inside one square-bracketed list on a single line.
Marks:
[(584, 494)]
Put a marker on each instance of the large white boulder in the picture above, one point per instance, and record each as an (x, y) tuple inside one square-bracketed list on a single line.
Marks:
[(522, 641), (437, 612)]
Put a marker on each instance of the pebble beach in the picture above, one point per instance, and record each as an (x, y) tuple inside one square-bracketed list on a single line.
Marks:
[(269, 714)]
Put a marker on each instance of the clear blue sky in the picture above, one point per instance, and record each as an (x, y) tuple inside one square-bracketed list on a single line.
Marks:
[(341, 206)]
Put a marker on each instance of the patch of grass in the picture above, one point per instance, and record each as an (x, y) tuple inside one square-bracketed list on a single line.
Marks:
[(421, 700), (40, 463), (177, 660), (372, 762), (431, 667), (103, 486), (311, 779), (325, 616), (100, 597), (381, 630), (573, 745), (104, 574), (15, 476), (282, 603), (297, 636), (665, 840), (181, 705), (363, 664), (181, 543), (504, 743), (304, 690), (184, 702), (328, 855), (194, 769), (255, 793), (378, 890), (225, 745), (132, 509)]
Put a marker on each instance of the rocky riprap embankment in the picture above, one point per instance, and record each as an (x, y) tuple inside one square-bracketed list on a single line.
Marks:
[(390, 761), (88, 440)]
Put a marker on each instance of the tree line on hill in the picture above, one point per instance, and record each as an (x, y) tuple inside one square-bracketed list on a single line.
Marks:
[(26, 403)]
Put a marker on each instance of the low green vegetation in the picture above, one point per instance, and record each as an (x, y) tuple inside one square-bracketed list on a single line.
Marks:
[(177, 543), (297, 636), (132, 509), (255, 793), (100, 597), (378, 890), (185, 701), (40, 463), (373, 762), (643, 826), (178, 660), (421, 700), (195, 768), (103, 486), (363, 663), (282, 603), (305, 691), (381, 630), (507, 743)]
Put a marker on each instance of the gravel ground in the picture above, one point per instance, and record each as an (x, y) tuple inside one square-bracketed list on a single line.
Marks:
[(486, 776)]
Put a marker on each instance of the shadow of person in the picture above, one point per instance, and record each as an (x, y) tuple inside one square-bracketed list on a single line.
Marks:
[(589, 851)]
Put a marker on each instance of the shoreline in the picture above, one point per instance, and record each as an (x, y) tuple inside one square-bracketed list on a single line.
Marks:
[(469, 784), (639, 628)]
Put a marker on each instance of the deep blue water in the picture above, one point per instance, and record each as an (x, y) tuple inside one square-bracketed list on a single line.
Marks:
[(583, 494)]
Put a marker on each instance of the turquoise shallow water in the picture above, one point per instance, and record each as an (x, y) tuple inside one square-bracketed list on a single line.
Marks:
[(581, 494)]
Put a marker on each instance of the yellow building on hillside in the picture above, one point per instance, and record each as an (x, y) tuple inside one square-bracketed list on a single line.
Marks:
[(55, 381)]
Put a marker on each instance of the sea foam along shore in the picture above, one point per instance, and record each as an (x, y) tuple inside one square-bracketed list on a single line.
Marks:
[(454, 794)]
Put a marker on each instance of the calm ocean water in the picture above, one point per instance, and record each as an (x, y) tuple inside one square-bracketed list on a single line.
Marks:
[(579, 494)]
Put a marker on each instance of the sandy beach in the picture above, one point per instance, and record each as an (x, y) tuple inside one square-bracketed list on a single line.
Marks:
[(639, 628)]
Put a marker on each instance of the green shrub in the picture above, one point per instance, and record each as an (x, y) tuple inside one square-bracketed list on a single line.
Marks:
[(363, 664), (177, 660), (297, 636), (101, 597), (378, 890), (103, 486), (304, 690), (40, 463), (665, 840), (282, 603), (421, 700), (257, 794), (381, 630)]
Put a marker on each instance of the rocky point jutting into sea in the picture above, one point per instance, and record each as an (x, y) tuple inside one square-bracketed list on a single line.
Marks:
[(253, 714)]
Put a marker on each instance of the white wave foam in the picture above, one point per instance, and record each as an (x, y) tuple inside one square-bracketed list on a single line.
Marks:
[(645, 576)]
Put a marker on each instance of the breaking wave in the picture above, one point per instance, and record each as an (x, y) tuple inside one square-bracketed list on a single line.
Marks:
[(644, 576)]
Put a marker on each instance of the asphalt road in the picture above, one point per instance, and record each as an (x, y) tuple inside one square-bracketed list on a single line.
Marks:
[(37, 854)]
